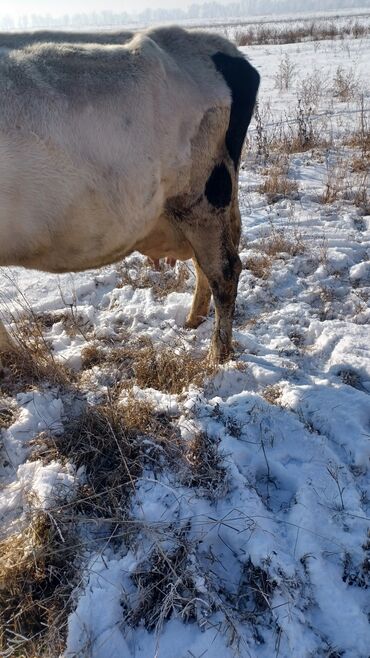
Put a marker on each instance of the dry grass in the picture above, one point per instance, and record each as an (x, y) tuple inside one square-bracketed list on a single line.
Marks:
[(73, 321), (32, 361), (171, 369), (359, 165), (276, 243), (75, 324), (113, 442), (272, 394), (278, 185), (165, 586), (360, 138), (281, 242), (37, 574), (260, 266), (205, 470), (162, 283), (7, 414), (255, 590)]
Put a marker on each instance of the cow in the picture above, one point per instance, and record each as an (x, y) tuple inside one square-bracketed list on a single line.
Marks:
[(16, 40), (106, 149)]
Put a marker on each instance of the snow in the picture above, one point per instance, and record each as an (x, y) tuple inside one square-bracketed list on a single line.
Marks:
[(293, 500)]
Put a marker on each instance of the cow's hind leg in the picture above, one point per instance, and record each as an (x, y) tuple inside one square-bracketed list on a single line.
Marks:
[(201, 300), (216, 254)]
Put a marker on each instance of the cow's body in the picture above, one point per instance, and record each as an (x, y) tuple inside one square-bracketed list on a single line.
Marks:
[(107, 149), (16, 40)]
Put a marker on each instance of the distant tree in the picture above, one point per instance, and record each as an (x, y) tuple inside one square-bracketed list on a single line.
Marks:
[(212, 9)]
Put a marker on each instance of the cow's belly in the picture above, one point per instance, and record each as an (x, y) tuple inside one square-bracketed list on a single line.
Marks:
[(164, 240), (59, 218), (90, 235)]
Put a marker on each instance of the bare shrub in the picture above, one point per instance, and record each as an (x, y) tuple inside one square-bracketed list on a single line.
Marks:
[(336, 181), (311, 89), (262, 141), (285, 74), (272, 139), (361, 195), (359, 30), (345, 85), (360, 137), (309, 30), (303, 134), (245, 37)]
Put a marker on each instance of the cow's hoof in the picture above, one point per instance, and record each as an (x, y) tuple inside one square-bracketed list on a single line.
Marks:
[(193, 322), (220, 352)]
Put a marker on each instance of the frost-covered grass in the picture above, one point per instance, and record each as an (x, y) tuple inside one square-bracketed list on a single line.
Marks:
[(152, 506)]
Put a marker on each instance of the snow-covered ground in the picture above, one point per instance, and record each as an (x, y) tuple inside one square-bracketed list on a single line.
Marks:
[(275, 553)]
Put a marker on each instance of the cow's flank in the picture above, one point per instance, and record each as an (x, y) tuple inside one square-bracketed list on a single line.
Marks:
[(107, 149), (15, 40)]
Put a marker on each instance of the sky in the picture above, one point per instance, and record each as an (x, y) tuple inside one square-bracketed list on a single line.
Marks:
[(18, 7)]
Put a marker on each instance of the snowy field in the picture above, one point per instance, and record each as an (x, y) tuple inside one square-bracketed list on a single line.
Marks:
[(227, 516)]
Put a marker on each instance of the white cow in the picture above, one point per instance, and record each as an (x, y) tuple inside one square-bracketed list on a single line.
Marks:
[(108, 149)]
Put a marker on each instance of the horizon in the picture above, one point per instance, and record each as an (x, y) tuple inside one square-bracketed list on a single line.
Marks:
[(16, 15)]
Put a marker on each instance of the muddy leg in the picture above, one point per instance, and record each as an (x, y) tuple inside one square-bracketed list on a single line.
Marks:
[(201, 300), (235, 223), (218, 259)]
